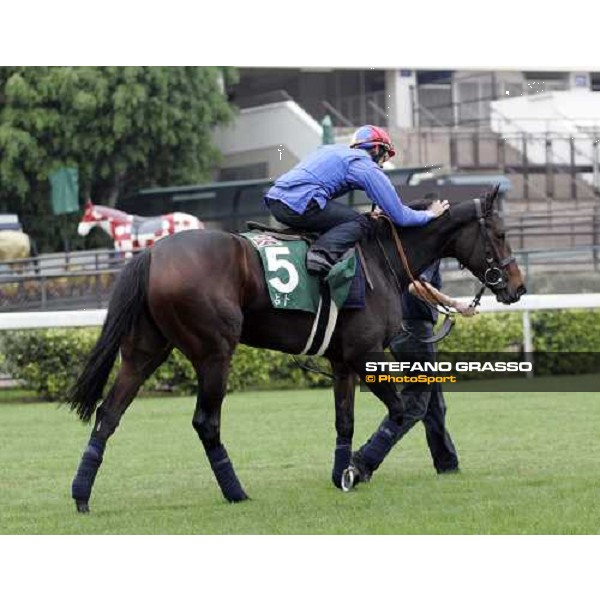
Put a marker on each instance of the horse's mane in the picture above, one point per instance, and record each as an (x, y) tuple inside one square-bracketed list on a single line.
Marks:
[(461, 210), (423, 203), (420, 204)]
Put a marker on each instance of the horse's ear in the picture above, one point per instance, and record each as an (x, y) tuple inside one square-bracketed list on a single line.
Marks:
[(491, 197), (496, 193)]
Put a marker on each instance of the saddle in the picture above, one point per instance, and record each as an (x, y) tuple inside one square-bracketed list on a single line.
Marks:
[(281, 233)]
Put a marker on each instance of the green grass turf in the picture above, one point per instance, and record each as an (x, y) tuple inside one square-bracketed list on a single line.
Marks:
[(529, 465)]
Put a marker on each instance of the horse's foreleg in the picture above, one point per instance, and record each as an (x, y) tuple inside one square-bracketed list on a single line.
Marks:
[(370, 456), (212, 384), (140, 358), (343, 390)]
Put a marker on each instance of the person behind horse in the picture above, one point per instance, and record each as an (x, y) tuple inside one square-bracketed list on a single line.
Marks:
[(304, 197), (421, 402)]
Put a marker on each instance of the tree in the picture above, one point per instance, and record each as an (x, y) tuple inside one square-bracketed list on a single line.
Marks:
[(122, 127)]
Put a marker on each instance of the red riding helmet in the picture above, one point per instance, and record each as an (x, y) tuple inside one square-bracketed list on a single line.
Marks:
[(369, 136)]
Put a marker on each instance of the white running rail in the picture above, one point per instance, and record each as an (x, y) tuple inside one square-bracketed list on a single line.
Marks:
[(527, 304)]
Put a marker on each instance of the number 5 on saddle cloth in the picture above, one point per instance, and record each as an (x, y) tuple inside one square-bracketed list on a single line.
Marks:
[(291, 287)]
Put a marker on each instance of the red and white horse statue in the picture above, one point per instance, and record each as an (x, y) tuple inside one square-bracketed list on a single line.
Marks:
[(131, 232)]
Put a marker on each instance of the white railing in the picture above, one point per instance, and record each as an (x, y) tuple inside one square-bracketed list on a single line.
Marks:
[(527, 304), (52, 319), (531, 302)]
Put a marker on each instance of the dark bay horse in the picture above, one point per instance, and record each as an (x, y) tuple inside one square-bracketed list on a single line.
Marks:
[(204, 292)]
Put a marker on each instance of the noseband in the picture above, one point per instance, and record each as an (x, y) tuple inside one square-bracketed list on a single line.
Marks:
[(494, 276)]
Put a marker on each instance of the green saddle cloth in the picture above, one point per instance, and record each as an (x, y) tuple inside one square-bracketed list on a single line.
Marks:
[(289, 283)]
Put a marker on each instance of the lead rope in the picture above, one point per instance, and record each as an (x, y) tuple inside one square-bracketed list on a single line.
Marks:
[(477, 298)]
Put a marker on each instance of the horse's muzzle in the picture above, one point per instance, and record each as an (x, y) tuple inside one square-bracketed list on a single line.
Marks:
[(510, 297)]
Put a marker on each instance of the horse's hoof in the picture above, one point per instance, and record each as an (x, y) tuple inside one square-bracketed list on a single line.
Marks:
[(337, 481), (362, 473), (82, 506), (237, 499), (349, 479)]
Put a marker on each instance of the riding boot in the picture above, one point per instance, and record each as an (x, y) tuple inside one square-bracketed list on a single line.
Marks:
[(332, 245), (319, 262)]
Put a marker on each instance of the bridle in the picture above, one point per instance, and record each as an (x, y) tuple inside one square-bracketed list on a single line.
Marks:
[(494, 276)]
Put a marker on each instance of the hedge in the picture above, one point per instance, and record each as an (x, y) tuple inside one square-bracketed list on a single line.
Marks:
[(575, 333), (492, 332), (48, 361)]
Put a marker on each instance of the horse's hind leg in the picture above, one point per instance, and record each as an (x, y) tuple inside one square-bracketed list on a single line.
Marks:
[(141, 354), (212, 385)]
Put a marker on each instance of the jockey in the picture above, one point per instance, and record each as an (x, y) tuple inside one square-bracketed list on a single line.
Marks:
[(304, 197)]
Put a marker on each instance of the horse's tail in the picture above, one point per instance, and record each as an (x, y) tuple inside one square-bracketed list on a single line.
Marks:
[(126, 304)]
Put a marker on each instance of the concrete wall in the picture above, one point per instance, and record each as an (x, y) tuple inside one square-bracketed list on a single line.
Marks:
[(275, 163), (258, 134)]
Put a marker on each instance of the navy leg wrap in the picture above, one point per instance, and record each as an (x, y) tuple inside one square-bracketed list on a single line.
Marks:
[(226, 477), (382, 441), (341, 460), (81, 489)]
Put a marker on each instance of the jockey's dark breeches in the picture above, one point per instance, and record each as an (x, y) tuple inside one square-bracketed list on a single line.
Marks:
[(341, 226)]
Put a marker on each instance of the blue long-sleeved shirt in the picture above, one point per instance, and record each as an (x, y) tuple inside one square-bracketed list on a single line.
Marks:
[(332, 171)]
